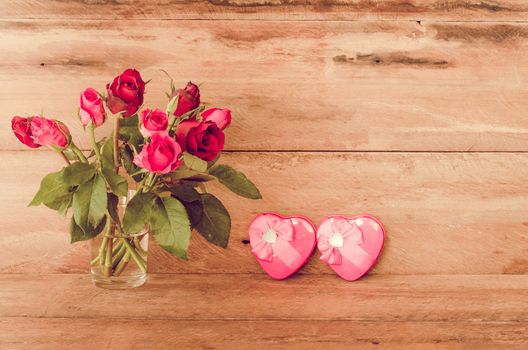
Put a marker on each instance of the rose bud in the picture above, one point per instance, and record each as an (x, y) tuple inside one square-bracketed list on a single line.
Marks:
[(153, 121), (48, 132), (188, 99), (92, 108), (22, 130), (203, 139), (125, 94), (221, 117), (160, 155)]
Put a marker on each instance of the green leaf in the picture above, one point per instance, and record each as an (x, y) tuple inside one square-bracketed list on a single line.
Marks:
[(215, 225), (191, 175), (211, 163), (194, 163), (129, 130), (172, 105), (52, 187), (61, 204), (77, 234), (118, 184), (127, 155), (170, 226), (113, 202), (190, 198), (194, 212), (107, 153), (185, 193), (90, 203), (137, 213), (78, 173), (235, 181)]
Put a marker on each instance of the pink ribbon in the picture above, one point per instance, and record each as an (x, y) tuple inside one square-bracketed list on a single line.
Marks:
[(270, 227), (350, 241)]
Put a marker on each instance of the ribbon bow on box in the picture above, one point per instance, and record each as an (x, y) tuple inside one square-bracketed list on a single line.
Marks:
[(344, 240), (271, 237)]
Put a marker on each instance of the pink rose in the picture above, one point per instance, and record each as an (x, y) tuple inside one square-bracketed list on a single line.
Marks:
[(22, 130), (48, 132), (160, 155), (153, 121), (125, 94), (221, 117), (188, 99), (203, 139), (92, 108)]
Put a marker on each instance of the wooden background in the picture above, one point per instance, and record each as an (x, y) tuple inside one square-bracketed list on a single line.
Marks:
[(414, 111)]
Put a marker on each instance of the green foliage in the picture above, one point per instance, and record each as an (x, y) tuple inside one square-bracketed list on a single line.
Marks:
[(61, 204), (183, 173), (54, 193), (78, 173), (170, 226), (113, 202), (138, 211), (192, 162), (90, 203), (235, 181), (77, 234), (117, 183), (185, 193), (215, 224), (127, 155), (191, 200), (129, 131), (107, 153), (173, 104)]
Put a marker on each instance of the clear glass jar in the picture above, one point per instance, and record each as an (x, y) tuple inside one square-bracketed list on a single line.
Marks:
[(119, 261)]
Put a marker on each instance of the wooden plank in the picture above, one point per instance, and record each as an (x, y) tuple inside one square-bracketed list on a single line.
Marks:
[(254, 297), (444, 212), (380, 86), (87, 333), (471, 10)]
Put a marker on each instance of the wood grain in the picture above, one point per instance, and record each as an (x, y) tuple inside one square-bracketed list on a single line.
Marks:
[(495, 298), (444, 212), (404, 86), (512, 10), (89, 333)]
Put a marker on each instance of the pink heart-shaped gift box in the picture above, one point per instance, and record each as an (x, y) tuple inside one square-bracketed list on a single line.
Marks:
[(350, 246), (281, 245)]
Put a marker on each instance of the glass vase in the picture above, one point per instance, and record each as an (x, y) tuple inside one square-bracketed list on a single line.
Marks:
[(119, 261)]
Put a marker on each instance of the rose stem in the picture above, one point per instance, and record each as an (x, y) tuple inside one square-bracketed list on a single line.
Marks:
[(78, 153), (108, 258), (102, 248), (65, 158), (122, 264), (91, 126), (116, 248), (116, 143), (139, 261), (137, 243), (118, 256)]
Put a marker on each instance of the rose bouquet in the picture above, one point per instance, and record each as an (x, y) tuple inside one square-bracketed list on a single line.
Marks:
[(148, 176)]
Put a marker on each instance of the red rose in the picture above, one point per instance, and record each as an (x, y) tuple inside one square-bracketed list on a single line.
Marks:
[(125, 94), (153, 121), (92, 108), (22, 130), (48, 132), (205, 140), (160, 155), (188, 99), (221, 117)]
